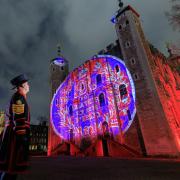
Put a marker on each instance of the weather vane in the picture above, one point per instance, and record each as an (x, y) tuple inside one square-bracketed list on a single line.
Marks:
[(59, 49), (120, 3), (113, 19)]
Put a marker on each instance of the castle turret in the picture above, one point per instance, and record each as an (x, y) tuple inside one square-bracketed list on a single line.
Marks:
[(59, 69), (157, 135)]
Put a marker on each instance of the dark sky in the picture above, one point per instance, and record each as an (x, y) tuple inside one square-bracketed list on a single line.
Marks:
[(31, 30)]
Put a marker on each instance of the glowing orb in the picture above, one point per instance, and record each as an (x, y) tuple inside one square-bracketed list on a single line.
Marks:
[(96, 98)]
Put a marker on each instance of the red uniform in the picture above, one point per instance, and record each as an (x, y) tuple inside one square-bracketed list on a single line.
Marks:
[(14, 146)]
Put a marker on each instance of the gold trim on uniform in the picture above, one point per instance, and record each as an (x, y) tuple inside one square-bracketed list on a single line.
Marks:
[(21, 131), (18, 109), (18, 102)]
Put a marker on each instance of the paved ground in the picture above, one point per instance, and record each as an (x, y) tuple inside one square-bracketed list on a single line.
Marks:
[(90, 168)]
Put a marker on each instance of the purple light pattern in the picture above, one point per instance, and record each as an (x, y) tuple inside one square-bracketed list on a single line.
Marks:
[(76, 111)]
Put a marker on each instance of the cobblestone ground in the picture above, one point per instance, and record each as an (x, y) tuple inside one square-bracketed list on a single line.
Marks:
[(91, 168)]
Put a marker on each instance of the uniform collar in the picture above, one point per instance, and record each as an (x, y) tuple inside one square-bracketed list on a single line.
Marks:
[(21, 93)]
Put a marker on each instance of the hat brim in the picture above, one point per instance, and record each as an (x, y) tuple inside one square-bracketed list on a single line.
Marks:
[(20, 84)]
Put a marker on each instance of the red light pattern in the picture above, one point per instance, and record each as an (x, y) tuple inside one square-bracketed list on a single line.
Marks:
[(97, 97)]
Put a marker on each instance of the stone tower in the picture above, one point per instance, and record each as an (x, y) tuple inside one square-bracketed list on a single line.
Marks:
[(59, 69), (157, 135)]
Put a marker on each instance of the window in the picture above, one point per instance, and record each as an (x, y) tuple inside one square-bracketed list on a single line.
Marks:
[(70, 110), (57, 102), (101, 99), (129, 114), (123, 90), (120, 27), (127, 44), (62, 67), (98, 79), (117, 68), (135, 21), (127, 22), (133, 61), (135, 76), (82, 86)]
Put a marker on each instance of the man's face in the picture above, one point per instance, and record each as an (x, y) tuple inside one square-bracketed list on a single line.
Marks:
[(26, 86)]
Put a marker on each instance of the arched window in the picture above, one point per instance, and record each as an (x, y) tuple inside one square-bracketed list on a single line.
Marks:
[(70, 110), (117, 68), (133, 61), (101, 99), (82, 86), (98, 79), (136, 76), (129, 114), (123, 90), (127, 44), (127, 22)]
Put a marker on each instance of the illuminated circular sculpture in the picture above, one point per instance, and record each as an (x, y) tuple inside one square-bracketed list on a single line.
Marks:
[(96, 98)]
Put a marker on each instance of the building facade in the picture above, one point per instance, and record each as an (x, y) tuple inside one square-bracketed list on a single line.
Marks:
[(156, 129), (38, 139), (157, 87)]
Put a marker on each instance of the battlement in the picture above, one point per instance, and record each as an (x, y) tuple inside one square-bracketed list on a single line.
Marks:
[(127, 8)]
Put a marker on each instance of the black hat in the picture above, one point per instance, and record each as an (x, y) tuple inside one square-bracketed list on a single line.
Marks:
[(17, 81)]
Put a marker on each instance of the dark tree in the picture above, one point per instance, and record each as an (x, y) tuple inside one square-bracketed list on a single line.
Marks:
[(174, 14)]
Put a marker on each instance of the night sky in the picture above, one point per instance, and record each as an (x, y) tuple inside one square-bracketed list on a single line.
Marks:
[(31, 30)]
